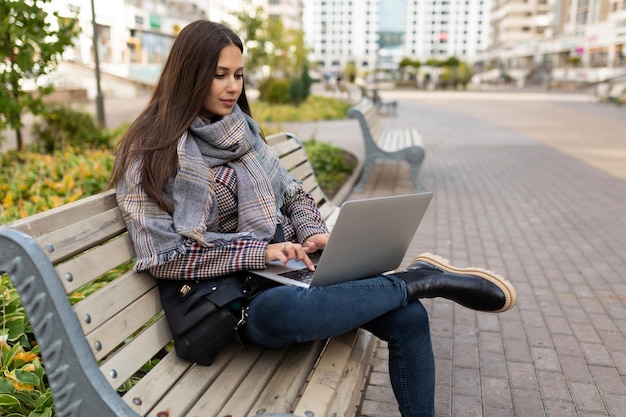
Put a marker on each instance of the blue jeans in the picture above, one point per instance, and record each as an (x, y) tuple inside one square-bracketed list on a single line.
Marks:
[(285, 315)]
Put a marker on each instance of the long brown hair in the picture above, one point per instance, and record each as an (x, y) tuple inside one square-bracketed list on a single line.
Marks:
[(177, 99)]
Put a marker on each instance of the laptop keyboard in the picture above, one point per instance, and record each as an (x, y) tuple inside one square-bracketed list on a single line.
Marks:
[(304, 275)]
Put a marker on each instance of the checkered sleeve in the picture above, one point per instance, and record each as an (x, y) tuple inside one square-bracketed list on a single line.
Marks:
[(304, 217), (200, 262)]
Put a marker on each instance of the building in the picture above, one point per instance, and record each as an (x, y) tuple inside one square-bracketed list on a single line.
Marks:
[(376, 34), (134, 37), (561, 40), (578, 40)]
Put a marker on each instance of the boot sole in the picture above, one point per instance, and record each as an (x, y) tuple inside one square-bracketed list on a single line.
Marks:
[(498, 280)]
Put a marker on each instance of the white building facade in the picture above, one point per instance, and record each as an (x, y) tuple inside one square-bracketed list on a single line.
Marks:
[(380, 33), (569, 40)]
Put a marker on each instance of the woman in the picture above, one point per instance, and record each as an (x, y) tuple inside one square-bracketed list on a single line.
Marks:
[(202, 195)]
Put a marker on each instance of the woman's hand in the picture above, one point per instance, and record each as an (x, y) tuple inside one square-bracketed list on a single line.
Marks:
[(316, 242), (285, 251)]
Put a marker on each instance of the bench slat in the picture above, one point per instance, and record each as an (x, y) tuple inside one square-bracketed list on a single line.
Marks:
[(131, 319), (278, 139), (302, 172), (352, 381), (281, 393), (138, 351), (200, 379), (294, 159), (66, 215), (68, 241), (235, 392), (90, 265), (152, 387), (112, 299), (285, 147), (323, 382)]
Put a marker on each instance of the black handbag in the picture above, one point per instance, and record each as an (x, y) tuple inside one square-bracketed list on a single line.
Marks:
[(203, 315)]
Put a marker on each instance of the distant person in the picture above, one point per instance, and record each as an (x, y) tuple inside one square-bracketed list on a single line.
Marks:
[(203, 196), (427, 81)]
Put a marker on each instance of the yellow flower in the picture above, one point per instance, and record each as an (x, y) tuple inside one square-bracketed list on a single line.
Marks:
[(29, 368), (7, 203), (26, 357), (23, 387)]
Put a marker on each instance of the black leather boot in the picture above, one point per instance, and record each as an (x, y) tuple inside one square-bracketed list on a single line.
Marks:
[(432, 276)]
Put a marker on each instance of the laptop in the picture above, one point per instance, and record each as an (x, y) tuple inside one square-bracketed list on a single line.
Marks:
[(370, 237)]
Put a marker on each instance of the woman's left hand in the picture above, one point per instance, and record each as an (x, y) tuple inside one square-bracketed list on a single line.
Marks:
[(316, 242)]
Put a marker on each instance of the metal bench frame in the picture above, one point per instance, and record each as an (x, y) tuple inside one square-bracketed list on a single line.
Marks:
[(403, 144)]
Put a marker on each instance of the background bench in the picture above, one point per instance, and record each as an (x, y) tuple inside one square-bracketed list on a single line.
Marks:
[(383, 107), (94, 347), (402, 144)]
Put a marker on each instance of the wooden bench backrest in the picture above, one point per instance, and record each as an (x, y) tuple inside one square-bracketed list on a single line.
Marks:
[(123, 321)]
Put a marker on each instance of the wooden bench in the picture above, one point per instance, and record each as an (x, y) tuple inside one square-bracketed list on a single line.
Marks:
[(401, 144), (92, 348)]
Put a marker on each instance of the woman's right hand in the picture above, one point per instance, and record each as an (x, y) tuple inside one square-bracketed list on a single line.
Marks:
[(284, 251)]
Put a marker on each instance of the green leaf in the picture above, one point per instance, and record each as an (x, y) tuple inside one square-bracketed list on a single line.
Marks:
[(7, 401), (8, 357), (6, 386), (45, 400), (25, 377), (46, 412)]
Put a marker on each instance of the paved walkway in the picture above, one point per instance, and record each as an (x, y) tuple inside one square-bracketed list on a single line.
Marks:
[(532, 185)]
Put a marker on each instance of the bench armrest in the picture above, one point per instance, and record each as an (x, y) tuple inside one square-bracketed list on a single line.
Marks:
[(79, 387)]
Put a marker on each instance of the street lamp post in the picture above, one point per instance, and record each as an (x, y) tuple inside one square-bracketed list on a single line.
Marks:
[(99, 96)]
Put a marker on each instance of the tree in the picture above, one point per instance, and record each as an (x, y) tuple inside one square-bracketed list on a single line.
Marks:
[(31, 41), (252, 24), (272, 50)]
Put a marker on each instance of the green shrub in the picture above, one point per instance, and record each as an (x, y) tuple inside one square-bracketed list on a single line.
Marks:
[(312, 109), (23, 387), (331, 164), (62, 126), (300, 88), (33, 182), (297, 91), (277, 92)]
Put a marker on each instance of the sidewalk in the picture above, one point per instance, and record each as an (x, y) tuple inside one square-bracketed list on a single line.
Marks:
[(535, 189)]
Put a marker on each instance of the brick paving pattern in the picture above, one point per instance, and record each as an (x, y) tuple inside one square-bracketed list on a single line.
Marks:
[(512, 193)]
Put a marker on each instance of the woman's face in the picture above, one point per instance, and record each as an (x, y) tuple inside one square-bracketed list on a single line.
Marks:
[(227, 84)]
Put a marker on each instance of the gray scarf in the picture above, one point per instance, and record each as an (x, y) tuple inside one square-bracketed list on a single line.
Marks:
[(262, 187)]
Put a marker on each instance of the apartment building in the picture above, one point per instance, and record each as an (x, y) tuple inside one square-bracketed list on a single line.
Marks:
[(444, 28), (575, 40), (339, 32), (133, 37), (379, 34)]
